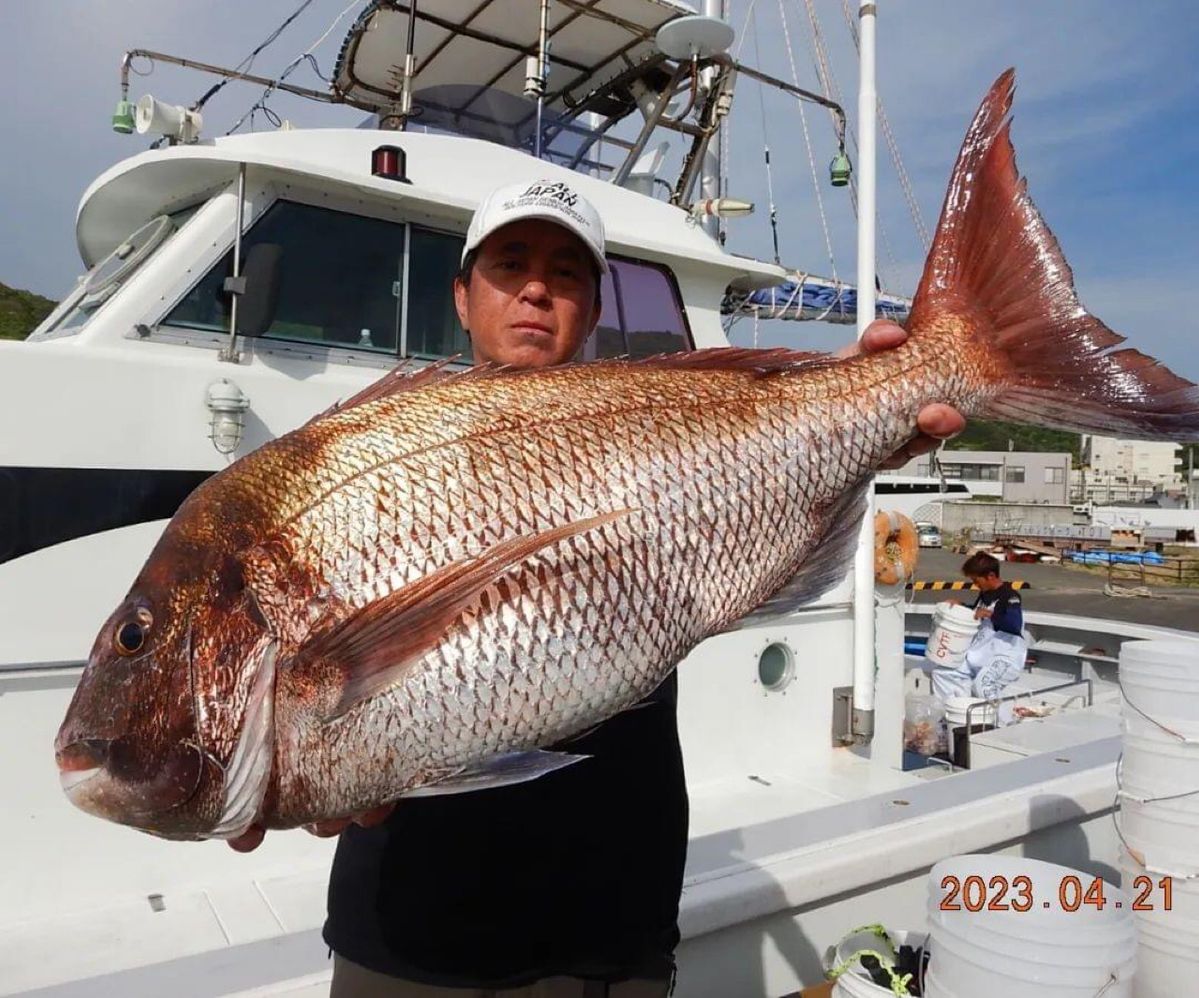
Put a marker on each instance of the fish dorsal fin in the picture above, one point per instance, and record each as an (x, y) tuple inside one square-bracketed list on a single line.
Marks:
[(375, 645), (773, 361), (826, 564), (403, 379)]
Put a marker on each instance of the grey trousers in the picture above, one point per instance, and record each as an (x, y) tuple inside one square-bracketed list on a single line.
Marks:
[(352, 981)]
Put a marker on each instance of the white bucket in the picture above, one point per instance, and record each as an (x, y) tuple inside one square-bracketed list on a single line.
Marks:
[(855, 982), (1169, 939), (955, 719), (1044, 952), (1159, 773), (1162, 679), (954, 628)]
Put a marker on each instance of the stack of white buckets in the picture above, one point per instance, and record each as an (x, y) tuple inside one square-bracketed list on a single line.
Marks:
[(1159, 810), (1011, 927), (1049, 942)]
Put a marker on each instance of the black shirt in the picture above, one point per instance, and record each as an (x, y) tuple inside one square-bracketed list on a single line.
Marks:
[(1007, 613), (575, 873)]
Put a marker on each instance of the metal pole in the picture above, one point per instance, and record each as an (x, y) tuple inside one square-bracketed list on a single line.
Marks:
[(409, 67), (230, 353), (863, 568), (542, 63), (647, 128), (711, 181)]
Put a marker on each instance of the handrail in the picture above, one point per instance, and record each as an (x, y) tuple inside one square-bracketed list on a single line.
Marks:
[(1090, 685)]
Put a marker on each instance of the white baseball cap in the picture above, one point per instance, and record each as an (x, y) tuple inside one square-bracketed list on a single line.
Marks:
[(551, 200)]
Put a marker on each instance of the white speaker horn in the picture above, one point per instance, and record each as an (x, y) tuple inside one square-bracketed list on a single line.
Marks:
[(153, 116)]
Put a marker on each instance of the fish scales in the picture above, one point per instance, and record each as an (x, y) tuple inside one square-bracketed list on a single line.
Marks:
[(655, 583), (448, 569)]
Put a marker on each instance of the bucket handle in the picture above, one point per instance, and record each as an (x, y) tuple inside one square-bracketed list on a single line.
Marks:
[(1152, 720), (899, 985), (1138, 857)]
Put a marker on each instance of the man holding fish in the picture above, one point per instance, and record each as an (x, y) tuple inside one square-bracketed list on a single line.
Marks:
[(566, 886), (457, 581)]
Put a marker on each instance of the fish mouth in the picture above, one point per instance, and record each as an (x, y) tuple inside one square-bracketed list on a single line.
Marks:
[(81, 760), (103, 777)]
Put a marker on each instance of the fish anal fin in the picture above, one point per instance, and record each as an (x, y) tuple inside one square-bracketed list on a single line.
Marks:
[(499, 771), (374, 646), (824, 566)]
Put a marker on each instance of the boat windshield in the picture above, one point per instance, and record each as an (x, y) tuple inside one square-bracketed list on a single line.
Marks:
[(106, 278), (497, 116)]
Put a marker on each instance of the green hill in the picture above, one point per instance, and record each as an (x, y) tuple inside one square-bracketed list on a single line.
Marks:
[(982, 434), (20, 312)]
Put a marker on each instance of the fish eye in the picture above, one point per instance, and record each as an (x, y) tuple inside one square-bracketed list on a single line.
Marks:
[(131, 635)]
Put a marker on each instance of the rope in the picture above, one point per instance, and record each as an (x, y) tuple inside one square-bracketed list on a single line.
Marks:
[(831, 90), (305, 56), (899, 985), (1111, 589), (774, 226), (248, 61), (828, 242), (905, 182)]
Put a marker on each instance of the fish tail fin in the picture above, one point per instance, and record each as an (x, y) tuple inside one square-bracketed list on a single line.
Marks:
[(996, 269)]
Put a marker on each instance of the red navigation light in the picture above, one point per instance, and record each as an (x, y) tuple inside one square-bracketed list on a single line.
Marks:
[(390, 162)]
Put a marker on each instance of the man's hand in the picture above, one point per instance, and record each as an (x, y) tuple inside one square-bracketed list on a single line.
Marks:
[(936, 422), (983, 613), (252, 837)]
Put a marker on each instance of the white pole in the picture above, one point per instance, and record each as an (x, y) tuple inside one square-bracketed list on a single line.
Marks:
[(711, 183), (863, 568)]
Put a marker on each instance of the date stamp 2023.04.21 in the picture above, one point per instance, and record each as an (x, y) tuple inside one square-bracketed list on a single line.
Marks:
[(1070, 893)]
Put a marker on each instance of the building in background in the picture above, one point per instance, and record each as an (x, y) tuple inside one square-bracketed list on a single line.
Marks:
[(1007, 476), (1115, 470)]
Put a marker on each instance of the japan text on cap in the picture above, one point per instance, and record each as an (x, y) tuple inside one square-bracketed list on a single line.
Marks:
[(550, 200)]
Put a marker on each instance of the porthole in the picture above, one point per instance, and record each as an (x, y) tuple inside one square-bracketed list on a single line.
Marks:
[(776, 666)]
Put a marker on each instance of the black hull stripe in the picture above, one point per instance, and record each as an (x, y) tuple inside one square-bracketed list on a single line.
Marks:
[(44, 506)]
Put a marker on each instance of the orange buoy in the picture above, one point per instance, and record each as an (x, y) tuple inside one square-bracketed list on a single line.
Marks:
[(896, 548)]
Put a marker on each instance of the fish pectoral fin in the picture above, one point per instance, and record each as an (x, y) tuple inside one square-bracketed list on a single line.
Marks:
[(500, 771), (376, 645), (824, 566)]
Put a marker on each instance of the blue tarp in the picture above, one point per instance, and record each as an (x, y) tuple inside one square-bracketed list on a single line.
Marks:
[(812, 297), (1116, 557)]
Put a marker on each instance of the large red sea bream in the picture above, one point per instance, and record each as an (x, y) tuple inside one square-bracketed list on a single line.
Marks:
[(419, 589)]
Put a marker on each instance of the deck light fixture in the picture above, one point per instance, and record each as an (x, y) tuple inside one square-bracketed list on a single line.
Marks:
[(839, 170), (228, 404)]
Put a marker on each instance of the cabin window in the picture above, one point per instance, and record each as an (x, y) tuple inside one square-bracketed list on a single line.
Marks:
[(1015, 473), (343, 281), (641, 312), (340, 279), (433, 329)]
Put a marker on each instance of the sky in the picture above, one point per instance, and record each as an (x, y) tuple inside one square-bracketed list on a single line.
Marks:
[(1104, 130)]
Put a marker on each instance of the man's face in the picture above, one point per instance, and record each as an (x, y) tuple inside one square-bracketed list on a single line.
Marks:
[(986, 583), (531, 301)]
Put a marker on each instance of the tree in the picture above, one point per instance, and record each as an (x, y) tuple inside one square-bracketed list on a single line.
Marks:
[(21, 311)]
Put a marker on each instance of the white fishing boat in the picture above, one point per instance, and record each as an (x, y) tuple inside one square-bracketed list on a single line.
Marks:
[(236, 286)]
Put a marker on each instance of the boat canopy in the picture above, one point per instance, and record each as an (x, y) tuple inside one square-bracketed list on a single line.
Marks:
[(813, 298), (485, 44)]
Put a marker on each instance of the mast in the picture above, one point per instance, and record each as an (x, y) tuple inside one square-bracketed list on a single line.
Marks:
[(863, 567), (711, 178)]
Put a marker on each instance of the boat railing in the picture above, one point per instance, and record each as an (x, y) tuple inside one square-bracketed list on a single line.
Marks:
[(993, 704)]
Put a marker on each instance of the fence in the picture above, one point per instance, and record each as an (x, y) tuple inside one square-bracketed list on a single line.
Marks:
[(1169, 571)]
